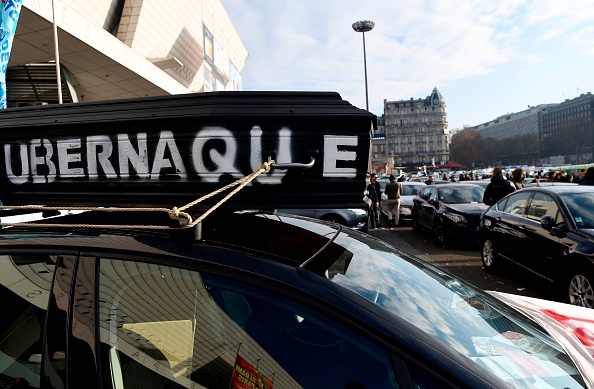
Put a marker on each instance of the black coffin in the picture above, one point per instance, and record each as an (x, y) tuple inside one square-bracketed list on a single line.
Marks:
[(167, 151)]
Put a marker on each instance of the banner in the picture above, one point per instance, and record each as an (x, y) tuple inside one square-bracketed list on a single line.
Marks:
[(9, 16), (245, 376)]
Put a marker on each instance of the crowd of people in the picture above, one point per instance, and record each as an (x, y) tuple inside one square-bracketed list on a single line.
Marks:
[(501, 184)]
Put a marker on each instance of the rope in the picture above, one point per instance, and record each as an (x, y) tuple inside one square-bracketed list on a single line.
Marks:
[(173, 213)]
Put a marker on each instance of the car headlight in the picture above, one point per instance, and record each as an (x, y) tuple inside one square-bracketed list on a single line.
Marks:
[(358, 211), (455, 218)]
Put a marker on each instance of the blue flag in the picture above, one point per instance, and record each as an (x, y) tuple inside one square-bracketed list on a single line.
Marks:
[(9, 16)]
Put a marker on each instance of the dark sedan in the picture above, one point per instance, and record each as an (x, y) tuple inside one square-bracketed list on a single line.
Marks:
[(547, 232), (451, 212)]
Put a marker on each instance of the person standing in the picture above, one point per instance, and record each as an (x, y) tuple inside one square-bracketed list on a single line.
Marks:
[(392, 191), (588, 177), (581, 175), (518, 176), (430, 181), (374, 193), (498, 188)]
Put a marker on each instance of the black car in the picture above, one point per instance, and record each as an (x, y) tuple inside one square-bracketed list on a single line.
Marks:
[(450, 212), (287, 301), (548, 232)]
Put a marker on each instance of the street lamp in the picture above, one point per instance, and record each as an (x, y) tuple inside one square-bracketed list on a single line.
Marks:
[(364, 26)]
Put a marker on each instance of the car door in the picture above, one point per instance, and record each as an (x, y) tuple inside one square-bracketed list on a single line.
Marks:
[(508, 234), (544, 246), (427, 209)]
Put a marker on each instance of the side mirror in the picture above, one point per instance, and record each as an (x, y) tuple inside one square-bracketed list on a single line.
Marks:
[(547, 222)]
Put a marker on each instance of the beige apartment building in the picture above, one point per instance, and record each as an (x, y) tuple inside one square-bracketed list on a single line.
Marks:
[(417, 130), (112, 49)]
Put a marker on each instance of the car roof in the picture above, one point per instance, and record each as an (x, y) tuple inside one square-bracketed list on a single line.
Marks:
[(562, 189), (462, 185), (414, 183), (255, 232)]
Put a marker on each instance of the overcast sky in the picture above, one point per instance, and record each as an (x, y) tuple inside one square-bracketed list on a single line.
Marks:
[(486, 57)]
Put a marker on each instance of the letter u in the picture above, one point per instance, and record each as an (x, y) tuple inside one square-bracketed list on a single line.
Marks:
[(24, 176)]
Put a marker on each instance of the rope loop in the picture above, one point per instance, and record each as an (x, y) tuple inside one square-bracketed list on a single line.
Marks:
[(173, 213)]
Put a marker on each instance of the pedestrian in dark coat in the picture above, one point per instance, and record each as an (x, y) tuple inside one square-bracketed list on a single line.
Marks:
[(588, 177), (374, 192), (498, 188)]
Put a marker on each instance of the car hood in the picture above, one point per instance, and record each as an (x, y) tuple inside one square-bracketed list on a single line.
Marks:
[(469, 208), (589, 232), (570, 325)]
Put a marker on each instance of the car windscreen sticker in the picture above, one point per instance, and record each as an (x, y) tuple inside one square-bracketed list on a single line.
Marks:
[(246, 376)]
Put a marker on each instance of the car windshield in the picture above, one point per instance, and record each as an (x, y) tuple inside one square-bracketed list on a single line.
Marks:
[(461, 195), (411, 190), (581, 208), (475, 324)]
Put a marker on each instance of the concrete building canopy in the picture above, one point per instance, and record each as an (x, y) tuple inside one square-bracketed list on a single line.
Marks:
[(122, 49)]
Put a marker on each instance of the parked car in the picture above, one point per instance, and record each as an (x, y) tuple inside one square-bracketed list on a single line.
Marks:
[(547, 232), (532, 182), (278, 298), (482, 183), (350, 217), (450, 212), (409, 190)]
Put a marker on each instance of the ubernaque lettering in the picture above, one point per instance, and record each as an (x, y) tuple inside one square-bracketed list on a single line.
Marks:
[(124, 156)]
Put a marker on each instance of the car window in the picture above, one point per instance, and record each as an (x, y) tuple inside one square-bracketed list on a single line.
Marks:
[(479, 327), (581, 208), (461, 195), (542, 204), (176, 328), (516, 203), (424, 193), (25, 284), (411, 190)]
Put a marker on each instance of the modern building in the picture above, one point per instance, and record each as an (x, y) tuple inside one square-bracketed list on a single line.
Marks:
[(567, 129), (513, 124), (111, 49), (417, 130)]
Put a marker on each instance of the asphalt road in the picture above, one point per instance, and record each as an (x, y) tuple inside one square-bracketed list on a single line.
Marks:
[(464, 261)]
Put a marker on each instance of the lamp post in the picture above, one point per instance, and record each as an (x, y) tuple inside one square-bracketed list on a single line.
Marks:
[(364, 26)]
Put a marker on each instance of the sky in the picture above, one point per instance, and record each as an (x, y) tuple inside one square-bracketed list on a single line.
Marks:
[(487, 58)]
